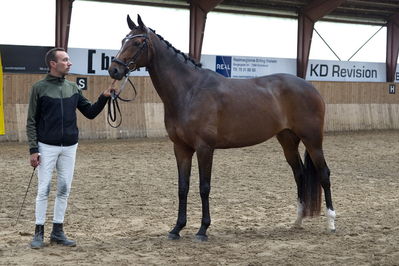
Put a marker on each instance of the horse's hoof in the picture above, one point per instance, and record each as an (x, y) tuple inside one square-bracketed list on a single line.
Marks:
[(201, 238), (297, 225), (172, 236), (332, 231)]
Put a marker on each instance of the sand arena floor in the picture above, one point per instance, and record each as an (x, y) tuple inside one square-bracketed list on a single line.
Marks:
[(124, 202)]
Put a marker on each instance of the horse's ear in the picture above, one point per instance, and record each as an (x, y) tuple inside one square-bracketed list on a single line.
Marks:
[(130, 23), (141, 24)]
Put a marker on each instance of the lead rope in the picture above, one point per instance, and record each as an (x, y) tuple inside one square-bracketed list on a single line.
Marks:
[(113, 105)]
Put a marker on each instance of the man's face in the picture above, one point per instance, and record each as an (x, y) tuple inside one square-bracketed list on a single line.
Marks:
[(63, 63)]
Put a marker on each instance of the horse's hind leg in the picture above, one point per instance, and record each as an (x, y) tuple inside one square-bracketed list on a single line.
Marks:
[(183, 158), (314, 149), (290, 142)]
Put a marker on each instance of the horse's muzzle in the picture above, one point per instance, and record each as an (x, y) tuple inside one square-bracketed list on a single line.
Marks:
[(116, 72)]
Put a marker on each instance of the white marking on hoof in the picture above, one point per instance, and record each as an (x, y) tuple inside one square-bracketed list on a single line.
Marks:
[(298, 222), (330, 220)]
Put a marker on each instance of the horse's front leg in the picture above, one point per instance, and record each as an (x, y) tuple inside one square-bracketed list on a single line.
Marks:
[(205, 157), (184, 157)]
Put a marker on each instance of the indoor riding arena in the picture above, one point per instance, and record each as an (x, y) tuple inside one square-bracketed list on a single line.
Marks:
[(124, 197)]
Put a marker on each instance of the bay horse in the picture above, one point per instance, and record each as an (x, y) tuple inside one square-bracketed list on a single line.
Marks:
[(205, 111)]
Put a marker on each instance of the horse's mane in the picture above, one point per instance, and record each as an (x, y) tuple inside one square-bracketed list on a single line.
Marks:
[(186, 57)]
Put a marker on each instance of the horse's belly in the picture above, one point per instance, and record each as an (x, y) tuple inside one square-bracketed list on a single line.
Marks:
[(249, 126), (245, 136), (240, 144)]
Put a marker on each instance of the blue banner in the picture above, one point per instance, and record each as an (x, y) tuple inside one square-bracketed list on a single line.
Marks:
[(223, 65)]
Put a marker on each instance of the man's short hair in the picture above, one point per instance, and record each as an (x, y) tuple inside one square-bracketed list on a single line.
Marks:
[(50, 55)]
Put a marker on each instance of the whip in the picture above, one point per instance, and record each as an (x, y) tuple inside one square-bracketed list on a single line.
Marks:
[(26, 193)]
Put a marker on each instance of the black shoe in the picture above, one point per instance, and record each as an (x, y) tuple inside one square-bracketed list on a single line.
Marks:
[(57, 236), (37, 241)]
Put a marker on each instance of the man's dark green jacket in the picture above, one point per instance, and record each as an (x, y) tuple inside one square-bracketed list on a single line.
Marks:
[(52, 112)]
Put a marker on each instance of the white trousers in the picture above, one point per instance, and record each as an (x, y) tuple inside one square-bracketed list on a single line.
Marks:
[(63, 159)]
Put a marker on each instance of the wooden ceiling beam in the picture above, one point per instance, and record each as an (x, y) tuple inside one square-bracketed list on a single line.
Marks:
[(306, 19), (392, 47), (198, 12), (63, 10)]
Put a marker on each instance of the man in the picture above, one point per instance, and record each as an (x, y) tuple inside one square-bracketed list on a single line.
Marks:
[(53, 139)]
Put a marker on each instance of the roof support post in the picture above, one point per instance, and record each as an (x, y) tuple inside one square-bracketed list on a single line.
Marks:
[(63, 20), (198, 11), (392, 47), (306, 19), (305, 32), (197, 28)]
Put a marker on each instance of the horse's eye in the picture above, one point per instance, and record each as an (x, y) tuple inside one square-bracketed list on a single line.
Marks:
[(136, 43)]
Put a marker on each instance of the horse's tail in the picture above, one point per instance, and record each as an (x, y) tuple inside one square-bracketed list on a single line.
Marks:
[(311, 189)]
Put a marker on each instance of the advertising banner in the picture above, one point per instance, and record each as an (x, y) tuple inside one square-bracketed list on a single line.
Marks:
[(248, 67), (30, 59), (24, 59), (95, 62), (324, 70)]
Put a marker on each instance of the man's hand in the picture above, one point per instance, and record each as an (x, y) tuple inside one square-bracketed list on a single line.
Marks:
[(35, 159), (111, 89)]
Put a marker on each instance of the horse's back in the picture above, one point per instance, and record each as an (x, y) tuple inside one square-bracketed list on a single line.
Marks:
[(299, 101), (285, 102), (287, 84), (292, 91)]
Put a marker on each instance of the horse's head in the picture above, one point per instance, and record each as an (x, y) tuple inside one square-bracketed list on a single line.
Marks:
[(134, 52)]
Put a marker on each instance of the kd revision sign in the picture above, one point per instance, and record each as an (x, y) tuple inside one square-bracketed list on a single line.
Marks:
[(345, 71)]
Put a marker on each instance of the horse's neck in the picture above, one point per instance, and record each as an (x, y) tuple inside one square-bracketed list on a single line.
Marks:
[(171, 76)]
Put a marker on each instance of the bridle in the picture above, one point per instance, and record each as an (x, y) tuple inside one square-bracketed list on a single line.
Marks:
[(132, 62), (113, 105)]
